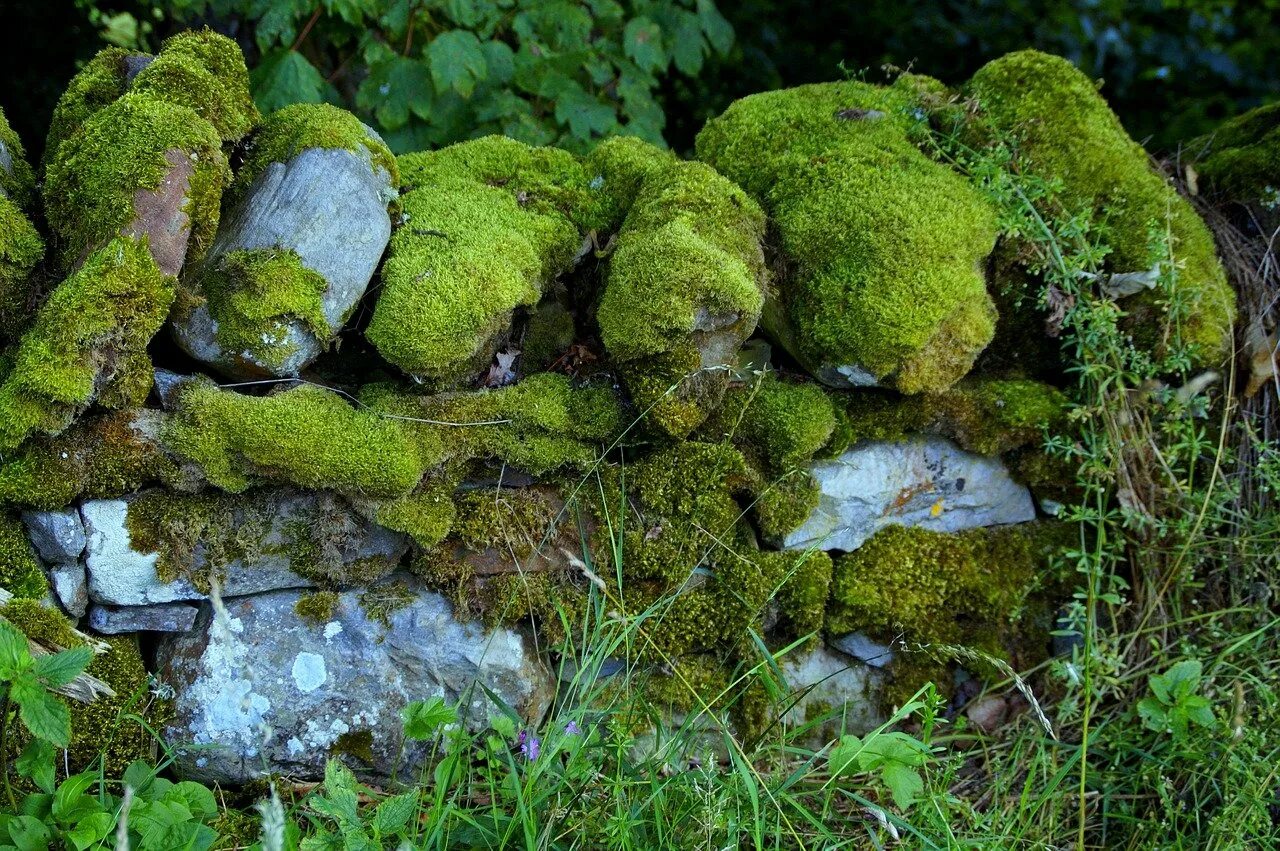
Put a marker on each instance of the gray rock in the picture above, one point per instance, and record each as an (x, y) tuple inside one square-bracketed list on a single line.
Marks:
[(864, 649), (263, 690), (832, 683), (925, 481), (70, 587), (6, 163), (329, 206), (275, 526), (166, 617), (58, 536)]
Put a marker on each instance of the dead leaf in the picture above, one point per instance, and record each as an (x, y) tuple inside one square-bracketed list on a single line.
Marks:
[(1261, 349)]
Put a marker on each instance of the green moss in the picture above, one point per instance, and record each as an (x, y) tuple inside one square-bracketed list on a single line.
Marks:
[(513, 522), (99, 83), (317, 608), (1066, 132), (382, 601), (357, 744), (618, 167), (473, 248), (426, 515), (306, 435), (20, 571), (803, 581), (121, 150), (288, 132), (100, 729), (882, 247), (548, 335), (205, 71), (96, 458), (21, 248), (254, 296), (784, 501), (17, 181), (88, 342), (989, 417), (1241, 159), (672, 392)]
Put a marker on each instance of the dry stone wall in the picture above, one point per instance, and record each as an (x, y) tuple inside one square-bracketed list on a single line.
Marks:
[(316, 431)]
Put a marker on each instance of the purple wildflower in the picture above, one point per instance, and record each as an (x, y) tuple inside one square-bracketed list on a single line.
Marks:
[(572, 728), (530, 746)]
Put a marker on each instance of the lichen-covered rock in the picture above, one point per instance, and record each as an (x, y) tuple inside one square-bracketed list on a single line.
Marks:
[(863, 648), (87, 344), (296, 251), (924, 481), (58, 536), (835, 685), (157, 547), (264, 689), (162, 617), (70, 587), (486, 226), (881, 248), (1065, 132)]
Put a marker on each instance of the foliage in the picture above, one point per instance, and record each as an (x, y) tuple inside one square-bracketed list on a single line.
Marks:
[(1174, 704)]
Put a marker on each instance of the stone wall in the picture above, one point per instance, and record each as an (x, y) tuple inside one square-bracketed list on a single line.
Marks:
[(315, 430)]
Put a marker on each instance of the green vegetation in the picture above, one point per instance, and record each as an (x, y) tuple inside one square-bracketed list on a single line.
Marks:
[(203, 70), (17, 182), (21, 248), (20, 571), (1241, 158)]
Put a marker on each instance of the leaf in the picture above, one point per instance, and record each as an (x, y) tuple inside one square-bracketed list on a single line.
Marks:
[(58, 669), (284, 77), (501, 62), (36, 764), (195, 797), (1152, 713), (29, 833), (688, 46), (719, 31), (90, 830), (68, 800), (424, 718), (42, 713), (395, 88), (903, 782), (457, 62), (15, 657), (394, 813), (138, 776), (642, 41), (583, 113), (843, 757)]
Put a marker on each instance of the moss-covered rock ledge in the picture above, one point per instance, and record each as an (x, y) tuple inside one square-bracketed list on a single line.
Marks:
[(400, 415)]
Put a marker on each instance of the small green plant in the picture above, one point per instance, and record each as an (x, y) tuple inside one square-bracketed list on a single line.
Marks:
[(337, 823), (1175, 703)]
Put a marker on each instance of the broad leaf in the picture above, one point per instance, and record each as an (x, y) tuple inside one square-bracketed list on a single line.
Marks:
[(642, 40), (36, 764), (14, 655), (424, 718), (58, 669), (457, 62), (42, 713), (284, 77)]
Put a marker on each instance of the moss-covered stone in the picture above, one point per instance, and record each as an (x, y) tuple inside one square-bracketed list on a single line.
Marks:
[(21, 248), (101, 729), (205, 71), (102, 80), (1241, 159), (288, 132), (20, 571), (1066, 132), (317, 608), (881, 247), (484, 232), (17, 181), (88, 343), (617, 168)]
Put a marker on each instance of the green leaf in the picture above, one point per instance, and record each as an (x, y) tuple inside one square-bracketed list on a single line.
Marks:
[(642, 40), (15, 657), (583, 113), (90, 830), (394, 813), (195, 797), (903, 782), (67, 800), (501, 62), (396, 87), (29, 833), (688, 46), (138, 776), (843, 758), (424, 718), (457, 62), (719, 31), (1152, 713), (42, 713), (36, 764), (58, 669), (284, 77)]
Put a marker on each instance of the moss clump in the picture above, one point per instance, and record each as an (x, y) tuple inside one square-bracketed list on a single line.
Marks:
[(288, 132), (618, 167), (550, 332), (121, 150), (475, 246), (1241, 159), (1066, 133), (205, 71), (88, 343), (882, 247), (990, 417), (255, 296), (317, 608), (21, 248), (96, 458), (513, 522), (382, 601), (426, 515), (705, 683), (672, 391), (176, 526), (306, 435), (17, 181), (100, 729), (20, 571), (102, 80)]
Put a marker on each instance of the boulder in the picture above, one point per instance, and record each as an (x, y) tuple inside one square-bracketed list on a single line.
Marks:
[(166, 617), (832, 682), (863, 648), (261, 689), (58, 536), (924, 481)]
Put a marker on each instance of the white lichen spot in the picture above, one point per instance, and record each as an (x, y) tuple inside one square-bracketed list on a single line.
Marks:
[(332, 629), (309, 672)]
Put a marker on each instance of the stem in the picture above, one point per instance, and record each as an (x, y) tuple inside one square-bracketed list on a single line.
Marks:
[(4, 748)]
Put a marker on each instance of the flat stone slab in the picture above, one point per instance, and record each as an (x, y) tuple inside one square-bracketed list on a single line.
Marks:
[(165, 617), (58, 536)]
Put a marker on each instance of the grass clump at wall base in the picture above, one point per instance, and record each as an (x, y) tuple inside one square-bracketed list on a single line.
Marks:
[(1241, 159), (288, 132), (205, 71), (1066, 133), (90, 184), (307, 435), (20, 571), (484, 232), (100, 82), (882, 248), (21, 248), (88, 342), (254, 295), (18, 182), (99, 730)]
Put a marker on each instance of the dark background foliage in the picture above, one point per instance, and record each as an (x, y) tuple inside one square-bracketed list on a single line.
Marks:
[(429, 72)]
